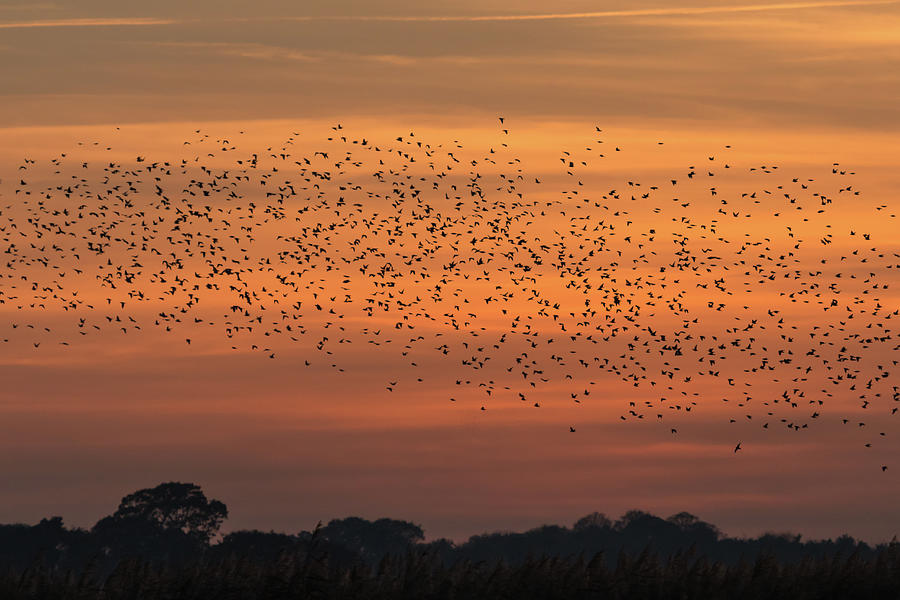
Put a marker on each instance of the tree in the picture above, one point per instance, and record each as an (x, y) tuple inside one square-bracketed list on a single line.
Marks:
[(699, 531), (373, 539), (594, 520), (684, 520), (174, 506)]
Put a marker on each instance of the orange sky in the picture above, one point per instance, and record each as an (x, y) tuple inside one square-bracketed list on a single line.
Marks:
[(797, 85)]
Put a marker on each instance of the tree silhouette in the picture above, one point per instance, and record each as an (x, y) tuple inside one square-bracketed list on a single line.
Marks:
[(174, 506), (156, 546), (373, 539), (593, 520)]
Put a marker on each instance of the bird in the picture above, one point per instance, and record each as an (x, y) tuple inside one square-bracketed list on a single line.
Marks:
[(454, 254)]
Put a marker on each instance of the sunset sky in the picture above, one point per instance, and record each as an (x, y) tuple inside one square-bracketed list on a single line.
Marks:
[(812, 88)]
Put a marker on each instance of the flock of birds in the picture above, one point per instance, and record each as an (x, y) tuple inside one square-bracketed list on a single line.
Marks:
[(738, 286)]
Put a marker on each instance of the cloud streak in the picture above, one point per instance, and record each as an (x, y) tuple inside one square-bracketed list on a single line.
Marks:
[(646, 12), (29, 7), (245, 50), (106, 22), (607, 14)]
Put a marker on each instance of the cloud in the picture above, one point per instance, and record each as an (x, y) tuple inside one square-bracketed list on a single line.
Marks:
[(28, 7), (646, 12), (101, 22), (280, 53), (245, 50)]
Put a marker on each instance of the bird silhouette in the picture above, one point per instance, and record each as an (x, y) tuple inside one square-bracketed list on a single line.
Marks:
[(454, 261)]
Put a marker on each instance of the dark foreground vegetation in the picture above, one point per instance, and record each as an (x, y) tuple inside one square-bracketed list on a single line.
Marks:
[(163, 543)]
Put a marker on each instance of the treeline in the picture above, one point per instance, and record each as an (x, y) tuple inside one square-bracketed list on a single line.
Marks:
[(162, 542)]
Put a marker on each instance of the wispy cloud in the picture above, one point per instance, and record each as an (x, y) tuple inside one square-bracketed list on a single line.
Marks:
[(27, 7), (644, 12), (279, 53), (111, 22), (245, 50)]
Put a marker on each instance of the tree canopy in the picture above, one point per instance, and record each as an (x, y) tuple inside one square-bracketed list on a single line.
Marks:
[(174, 506)]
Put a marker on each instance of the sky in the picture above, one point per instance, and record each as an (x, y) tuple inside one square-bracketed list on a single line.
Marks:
[(810, 87)]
